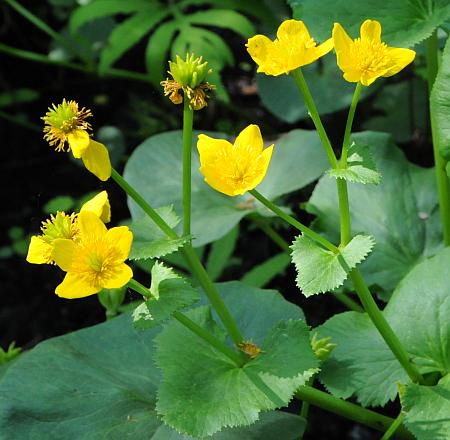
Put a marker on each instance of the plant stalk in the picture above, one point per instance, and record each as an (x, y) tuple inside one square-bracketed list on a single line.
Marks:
[(188, 120), (194, 327), (441, 175), (349, 410), (344, 211), (394, 427)]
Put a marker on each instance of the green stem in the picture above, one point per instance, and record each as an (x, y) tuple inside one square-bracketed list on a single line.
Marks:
[(348, 410), (383, 327), (292, 221), (349, 302), (344, 211), (441, 175), (194, 327), (191, 257), (312, 109), (348, 125), (39, 58), (393, 428), (305, 404), (188, 120)]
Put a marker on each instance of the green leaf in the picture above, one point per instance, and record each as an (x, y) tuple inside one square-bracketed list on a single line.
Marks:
[(101, 382), (127, 34), (149, 241), (169, 294), (18, 96), (282, 98), (440, 104), (427, 410), (419, 313), (400, 213), (210, 392), (320, 270), (220, 253), (103, 8), (360, 166), (263, 273), (404, 22), (297, 160), (59, 203)]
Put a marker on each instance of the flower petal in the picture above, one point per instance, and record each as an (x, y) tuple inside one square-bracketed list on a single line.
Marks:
[(400, 59), (121, 238), (215, 180), (63, 253), (250, 140), (39, 251), (78, 141), (122, 274), (259, 48), (324, 48), (90, 225), (293, 30), (100, 206), (209, 148), (342, 45), (371, 30), (96, 160), (263, 162), (74, 286)]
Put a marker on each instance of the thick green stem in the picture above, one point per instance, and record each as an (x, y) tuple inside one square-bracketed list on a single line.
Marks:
[(188, 120), (394, 427), (383, 327), (344, 211), (191, 257), (194, 327), (348, 125), (312, 109), (292, 221), (441, 175), (348, 410)]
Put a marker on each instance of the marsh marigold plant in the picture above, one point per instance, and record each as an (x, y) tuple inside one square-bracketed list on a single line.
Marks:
[(66, 128), (367, 58), (234, 169), (294, 47)]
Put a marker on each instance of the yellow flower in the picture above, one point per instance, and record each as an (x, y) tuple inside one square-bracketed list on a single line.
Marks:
[(292, 48), (95, 260), (234, 169), (366, 58), (65, 123), (64, 226)]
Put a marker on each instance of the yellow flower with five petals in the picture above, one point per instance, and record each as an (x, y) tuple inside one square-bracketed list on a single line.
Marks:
[(234, 169), (66, 123), (96, 260), (367, 58), (292, 48)]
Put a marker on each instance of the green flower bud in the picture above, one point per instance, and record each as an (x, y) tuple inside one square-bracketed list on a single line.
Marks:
[(190, 72), (322, 347)]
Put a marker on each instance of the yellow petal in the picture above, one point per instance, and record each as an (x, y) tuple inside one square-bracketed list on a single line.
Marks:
[(400, 58), (354, 75), (259, 48), (293, 30), (209, 147), (371, 30), (324, 48), (100, 206), (78, 141), (90, 225), (214, 179), (39, 251), (74, 286), (96, 160), (121, 238), (262, 164), (342, 45), (63, 253), (250, 140), (122, 274)]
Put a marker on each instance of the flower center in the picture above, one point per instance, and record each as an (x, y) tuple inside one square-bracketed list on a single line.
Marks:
[(60, 225), (371, 56)]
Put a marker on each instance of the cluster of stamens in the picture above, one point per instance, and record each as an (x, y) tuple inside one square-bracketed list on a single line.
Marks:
[(371, 56)]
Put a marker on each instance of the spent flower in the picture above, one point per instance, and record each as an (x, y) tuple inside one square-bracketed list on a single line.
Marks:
[(66, 129), (367, 58), (94, 261), (292, 48), (234, 169), (189, 76)]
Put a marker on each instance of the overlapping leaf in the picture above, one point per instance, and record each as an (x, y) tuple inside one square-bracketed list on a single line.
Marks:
[(419, 312), (320, 270), (298, 159), (400, 213), (210, 392), (404, 22)]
